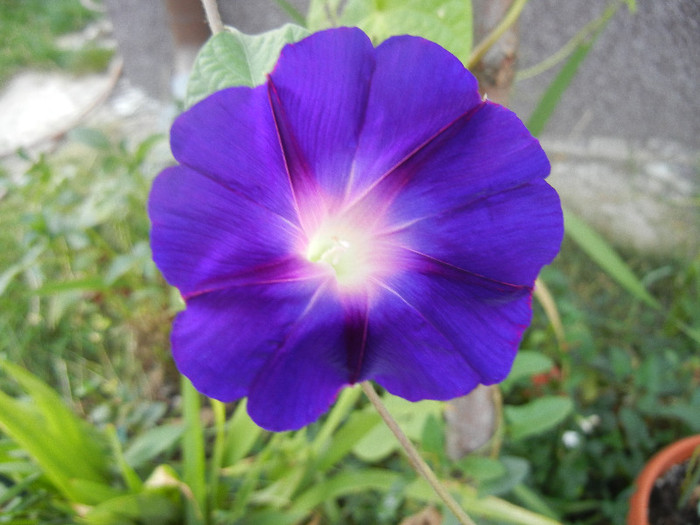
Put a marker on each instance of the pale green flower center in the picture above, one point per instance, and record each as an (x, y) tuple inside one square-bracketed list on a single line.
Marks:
[(346, 252)]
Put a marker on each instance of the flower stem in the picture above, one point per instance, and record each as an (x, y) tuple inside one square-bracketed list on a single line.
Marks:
[(213, 16), (416, 460)]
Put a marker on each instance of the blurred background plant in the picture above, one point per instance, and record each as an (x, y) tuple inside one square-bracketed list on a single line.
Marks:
[(101, 430), (30, 29)]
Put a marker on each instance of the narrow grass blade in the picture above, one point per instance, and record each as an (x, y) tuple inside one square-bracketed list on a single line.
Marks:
[(241, 435), (552, 95), (193, 470), (71, 454), (606, 257), (293, 12)]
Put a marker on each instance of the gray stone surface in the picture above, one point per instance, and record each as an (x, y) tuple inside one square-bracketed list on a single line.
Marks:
[(256, 16), (642, 194), (141, 30), (639, 81)]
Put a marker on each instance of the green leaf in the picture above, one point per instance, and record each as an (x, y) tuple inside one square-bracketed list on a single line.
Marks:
[(151, 443), (481, 468), (489, 507), (292, 11), (156, 507), (90, 137), (342, 407), (537, 416), (516, 470), (241, 435), (71, 454), (343, 483), (232, 58), (689, 413), (88, 284), (7, 494), (358, 425), (527, 363), (27, 260), (411, 417), (446, 22), (606, 257), (193, 468)]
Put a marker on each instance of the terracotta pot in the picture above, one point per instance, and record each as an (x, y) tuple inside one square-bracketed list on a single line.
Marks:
[(673, 454)]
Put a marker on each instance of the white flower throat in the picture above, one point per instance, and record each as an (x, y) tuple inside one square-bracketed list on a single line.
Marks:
[(344, 250)]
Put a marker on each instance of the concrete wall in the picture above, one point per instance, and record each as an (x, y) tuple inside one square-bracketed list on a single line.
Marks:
[(641, 79)]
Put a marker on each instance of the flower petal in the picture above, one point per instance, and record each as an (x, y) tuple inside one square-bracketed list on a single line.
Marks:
[(205, 236), (506, 236), (418, 88), (319, 90), (223, 339), (303, 377), (436, 331), (488, 150), (231, 138)]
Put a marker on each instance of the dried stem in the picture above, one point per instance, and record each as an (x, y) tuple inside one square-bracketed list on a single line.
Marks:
[(213, 17), (416, 460)]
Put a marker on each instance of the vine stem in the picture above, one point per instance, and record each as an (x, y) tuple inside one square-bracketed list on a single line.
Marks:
[(508, 20), (416, 460), (211, 9)]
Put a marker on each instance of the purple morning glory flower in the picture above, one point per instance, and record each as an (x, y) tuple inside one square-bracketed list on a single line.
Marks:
[(362, 215)]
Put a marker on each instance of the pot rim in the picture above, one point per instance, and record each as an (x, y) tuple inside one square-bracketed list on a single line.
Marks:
[(676, 452)]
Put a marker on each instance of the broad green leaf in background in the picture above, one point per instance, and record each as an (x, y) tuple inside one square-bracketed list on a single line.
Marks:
[(232, 58), (516, 469), (537, 416), (527, 363), (446, 22), (379, 442), (479, 469), (358, 425)]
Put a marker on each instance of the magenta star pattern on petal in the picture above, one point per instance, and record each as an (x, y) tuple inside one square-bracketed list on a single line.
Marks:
[(363, 215)]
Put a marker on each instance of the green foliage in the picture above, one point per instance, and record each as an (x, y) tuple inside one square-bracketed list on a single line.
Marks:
[(232, 58), (29, 28), (633, 376), (413, 418), (73, 457), (447, 22), (65, 447), (607, 258)]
